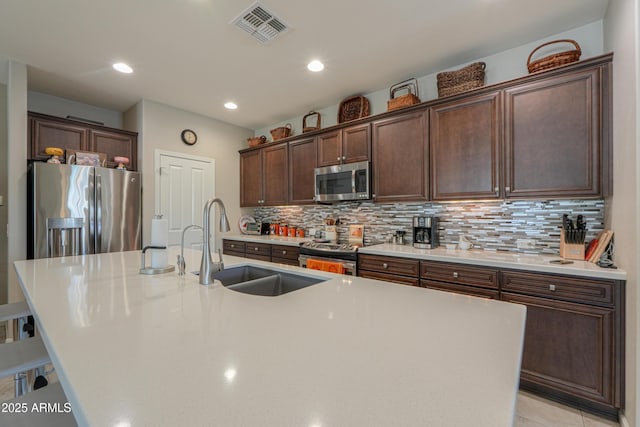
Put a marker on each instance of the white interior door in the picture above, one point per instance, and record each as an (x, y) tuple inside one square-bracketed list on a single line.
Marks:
[(183, 184)]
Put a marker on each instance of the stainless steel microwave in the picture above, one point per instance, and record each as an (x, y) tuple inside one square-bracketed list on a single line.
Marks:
[(351, 181)]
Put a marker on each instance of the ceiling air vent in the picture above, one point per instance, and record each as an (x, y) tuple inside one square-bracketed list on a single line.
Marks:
[(262, 24)]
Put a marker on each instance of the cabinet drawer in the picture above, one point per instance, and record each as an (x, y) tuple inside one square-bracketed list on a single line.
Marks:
[(459, 274), (402, 280), (286, 252), (566, 288), (254, 250), (391, 265), (461, 289), (233, 247)]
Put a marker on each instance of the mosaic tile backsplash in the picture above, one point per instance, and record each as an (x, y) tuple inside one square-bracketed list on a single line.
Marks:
[(488, 225)]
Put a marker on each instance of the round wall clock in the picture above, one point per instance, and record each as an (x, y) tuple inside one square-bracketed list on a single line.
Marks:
[(189, 137)]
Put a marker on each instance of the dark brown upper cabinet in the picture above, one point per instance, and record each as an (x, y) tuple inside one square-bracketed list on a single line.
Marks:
[(264, 176), (465, 148), (557, 136), (114, 144), (302, 162), (49, 131), (52, 132), (546, 135), (347, 145), (400, 157)]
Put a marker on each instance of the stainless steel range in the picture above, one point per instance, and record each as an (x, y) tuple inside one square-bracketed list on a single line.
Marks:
[(327, 256)]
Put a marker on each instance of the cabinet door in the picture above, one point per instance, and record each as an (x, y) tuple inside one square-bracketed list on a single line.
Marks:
[(275, 176), (553, 138), (465, 148), (356, 143), (251, 178), (115, 144), (302, 162), (568, 348), (400, 158), (50, 133), (330, 148)]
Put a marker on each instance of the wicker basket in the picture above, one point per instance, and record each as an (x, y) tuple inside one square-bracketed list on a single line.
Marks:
[(352, 108), (555, 60), (306, 128), (462, 80), (407, 100), (257, 140), (281, 132)]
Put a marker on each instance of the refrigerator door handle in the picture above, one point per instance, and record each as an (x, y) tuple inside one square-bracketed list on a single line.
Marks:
[(98, 234), (91, 223)]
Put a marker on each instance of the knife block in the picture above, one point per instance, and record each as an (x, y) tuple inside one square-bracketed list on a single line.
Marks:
[(571, 250)]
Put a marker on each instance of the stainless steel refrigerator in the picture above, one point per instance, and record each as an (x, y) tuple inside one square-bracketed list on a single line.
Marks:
[(82, 210)]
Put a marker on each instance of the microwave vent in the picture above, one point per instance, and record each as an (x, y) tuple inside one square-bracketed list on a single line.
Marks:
[(260, 23)]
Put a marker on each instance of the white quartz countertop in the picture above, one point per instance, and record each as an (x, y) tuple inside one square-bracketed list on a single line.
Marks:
[(273, 240), (507, 260), (162, 350)]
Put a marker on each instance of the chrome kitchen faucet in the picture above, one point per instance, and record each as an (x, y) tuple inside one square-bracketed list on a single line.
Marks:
[(181, 264), (207, 266)]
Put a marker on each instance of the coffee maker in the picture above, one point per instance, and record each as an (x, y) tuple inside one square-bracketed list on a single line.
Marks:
[(425, 232)]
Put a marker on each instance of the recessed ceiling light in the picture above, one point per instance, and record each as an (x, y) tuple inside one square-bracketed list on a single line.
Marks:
[(315, 66), (122, 67), (230, 105)]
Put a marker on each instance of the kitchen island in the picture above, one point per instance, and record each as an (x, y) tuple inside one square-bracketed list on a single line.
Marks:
[(132, 350)]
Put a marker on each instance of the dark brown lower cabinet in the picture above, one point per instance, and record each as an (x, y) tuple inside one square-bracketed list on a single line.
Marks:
[(461, 279), (259, 251), (403, 271), (461, 289), (233, 247), (282, 254), (573, 346), (387, 277)]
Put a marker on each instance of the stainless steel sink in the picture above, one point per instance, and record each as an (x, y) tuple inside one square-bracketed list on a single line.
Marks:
[(263, 281)]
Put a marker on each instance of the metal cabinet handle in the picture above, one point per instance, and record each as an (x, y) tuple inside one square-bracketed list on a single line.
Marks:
[(496, 190), (344, 157), (255, 249), (284, 252), (385, 265), (233, 246), (338, 158), (455, 274), (552, 287), (507, 189)]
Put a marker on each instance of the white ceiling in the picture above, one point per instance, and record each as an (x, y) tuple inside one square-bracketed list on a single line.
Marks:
[(186, 54)]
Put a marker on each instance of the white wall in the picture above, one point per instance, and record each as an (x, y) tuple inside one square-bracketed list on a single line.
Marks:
[(61, 107), (16, 171), (160, 126), (3, 192), (502, 66), (621, 31)]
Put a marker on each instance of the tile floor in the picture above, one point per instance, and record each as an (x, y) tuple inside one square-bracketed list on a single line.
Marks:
[(532, 411)]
